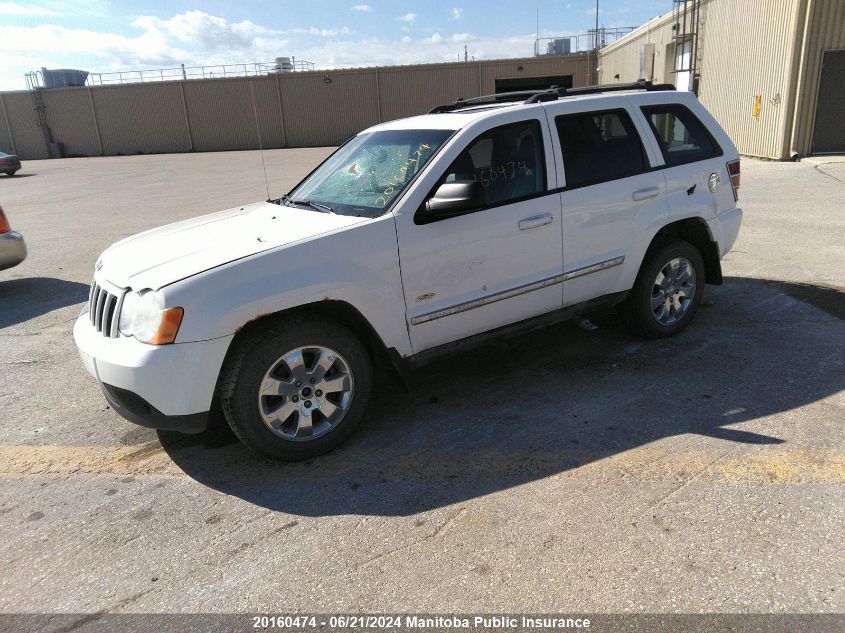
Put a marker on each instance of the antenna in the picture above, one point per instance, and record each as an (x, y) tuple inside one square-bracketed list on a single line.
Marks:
[(260, 144)]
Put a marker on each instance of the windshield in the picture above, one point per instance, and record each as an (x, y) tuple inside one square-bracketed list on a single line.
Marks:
[(364, 176)]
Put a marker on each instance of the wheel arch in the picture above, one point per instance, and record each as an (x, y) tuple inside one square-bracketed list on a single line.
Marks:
[(341, 312), (696, 232), (338, 311)]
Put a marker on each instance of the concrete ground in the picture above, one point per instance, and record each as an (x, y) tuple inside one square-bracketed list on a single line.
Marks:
[(579, 470)]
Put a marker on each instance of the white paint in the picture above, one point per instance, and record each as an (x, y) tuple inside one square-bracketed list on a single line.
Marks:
[(231, 267)]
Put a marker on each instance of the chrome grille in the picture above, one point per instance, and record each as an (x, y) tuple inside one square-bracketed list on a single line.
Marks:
[(104, 310)]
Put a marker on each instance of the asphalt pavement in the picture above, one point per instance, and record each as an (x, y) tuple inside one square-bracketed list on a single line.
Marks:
[(571, 469)]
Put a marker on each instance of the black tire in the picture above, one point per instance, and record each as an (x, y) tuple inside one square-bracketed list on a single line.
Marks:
[(11, 173), (258, 352), (636, 310)]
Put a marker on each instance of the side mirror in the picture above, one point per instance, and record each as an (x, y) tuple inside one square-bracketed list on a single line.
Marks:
[(454, 198)]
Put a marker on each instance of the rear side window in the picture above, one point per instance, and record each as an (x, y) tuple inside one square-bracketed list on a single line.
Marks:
[(681, 136), (507, 160), (599, 146)]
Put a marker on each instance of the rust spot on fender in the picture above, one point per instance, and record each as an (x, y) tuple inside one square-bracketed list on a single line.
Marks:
[(255, 318)]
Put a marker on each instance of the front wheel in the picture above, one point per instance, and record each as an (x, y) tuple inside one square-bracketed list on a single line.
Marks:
[(297, 389), (667, 291)]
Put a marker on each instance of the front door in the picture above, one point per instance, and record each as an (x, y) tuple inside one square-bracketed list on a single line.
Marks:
[(494, 266)]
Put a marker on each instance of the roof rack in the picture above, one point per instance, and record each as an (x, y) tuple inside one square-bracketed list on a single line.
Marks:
[(549, 94), (501, 97)]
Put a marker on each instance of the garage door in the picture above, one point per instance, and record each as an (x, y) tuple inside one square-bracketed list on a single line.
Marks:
[(829, 131)]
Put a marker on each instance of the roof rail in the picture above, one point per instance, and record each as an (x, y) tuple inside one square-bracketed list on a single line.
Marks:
[(640, 84), (528, 97), (501, 97)]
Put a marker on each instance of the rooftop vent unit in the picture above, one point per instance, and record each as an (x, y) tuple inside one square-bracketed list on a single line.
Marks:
[(283, 65), (62, 77)]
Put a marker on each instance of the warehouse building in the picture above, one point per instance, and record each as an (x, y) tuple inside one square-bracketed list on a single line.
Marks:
[(273, 110), (772, 72)]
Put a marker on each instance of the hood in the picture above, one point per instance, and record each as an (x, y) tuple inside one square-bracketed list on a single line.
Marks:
[(167, 254)]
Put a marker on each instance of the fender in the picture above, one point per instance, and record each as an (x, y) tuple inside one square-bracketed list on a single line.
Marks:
[(358, 265)]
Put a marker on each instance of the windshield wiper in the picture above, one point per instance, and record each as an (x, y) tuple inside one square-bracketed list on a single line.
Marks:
[(314, 205), (322, 208)]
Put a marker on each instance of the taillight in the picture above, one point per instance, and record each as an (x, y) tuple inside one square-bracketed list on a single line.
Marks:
[(4, 223), (733, 172)]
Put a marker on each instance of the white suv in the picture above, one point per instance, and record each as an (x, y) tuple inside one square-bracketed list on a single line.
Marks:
[(414, 236)]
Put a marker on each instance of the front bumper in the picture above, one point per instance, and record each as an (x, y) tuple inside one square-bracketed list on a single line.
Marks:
[(165, 387), (12, 249)]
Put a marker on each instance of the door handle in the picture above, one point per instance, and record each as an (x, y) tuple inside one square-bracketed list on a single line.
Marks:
[(645, 194), (534, 221)]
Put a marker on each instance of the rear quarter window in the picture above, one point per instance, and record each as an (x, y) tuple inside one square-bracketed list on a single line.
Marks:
[(681, 136)]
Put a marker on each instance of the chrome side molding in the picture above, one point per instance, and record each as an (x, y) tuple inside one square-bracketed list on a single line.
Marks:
[(519, 290)]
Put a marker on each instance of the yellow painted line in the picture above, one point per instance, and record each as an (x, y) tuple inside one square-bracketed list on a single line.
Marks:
[(62, 461), (779, 466)]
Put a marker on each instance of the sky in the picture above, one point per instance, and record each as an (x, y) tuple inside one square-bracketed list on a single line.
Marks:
[(112, 35)]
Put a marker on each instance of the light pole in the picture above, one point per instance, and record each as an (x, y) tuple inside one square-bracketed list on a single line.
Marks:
[(596, 35)]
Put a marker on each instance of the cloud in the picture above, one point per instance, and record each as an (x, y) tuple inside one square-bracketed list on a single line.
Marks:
[(457, 13), (363, 8), (313, 30), (13, 8), (208, 31), (408, 18), (196, 38), (406, 50)]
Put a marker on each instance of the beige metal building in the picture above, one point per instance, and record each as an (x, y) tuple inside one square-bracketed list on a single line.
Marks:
[(771, 71), (294, 109)]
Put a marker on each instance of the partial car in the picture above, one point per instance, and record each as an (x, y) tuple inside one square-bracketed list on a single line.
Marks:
[(12, 245), (10, 164)]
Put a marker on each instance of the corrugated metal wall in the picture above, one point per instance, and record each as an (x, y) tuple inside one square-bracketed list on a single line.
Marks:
[(825, 30), (303, 109), (321, 113), (7, 143), (770, 48), (72, 120), (623, 56), (579, 66), (420, 89), (749, 49), (140, 118), (29, 142)]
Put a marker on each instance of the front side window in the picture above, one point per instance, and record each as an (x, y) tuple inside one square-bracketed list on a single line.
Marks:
[(368, 173), (681, 136), (599, 146), (508, 161)]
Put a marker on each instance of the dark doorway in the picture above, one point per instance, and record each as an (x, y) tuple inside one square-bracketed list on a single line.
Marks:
[(828, 132), (533, 83)]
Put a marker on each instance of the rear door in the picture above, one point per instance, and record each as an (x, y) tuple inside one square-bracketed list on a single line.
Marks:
[(613, 201)]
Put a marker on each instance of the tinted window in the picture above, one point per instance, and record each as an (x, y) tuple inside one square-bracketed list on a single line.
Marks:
[(599, 146), (681, 136), (507, 161)]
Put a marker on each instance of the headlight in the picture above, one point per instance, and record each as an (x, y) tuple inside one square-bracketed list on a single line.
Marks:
[(144, 316)]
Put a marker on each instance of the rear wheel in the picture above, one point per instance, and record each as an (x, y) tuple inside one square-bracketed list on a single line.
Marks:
[(11, 173), (297, 389), (667, 291)]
